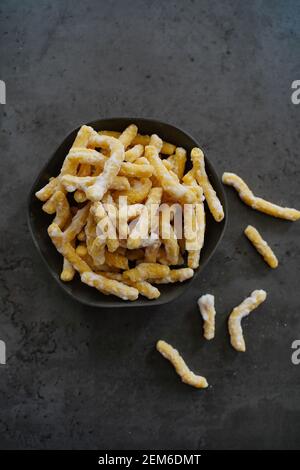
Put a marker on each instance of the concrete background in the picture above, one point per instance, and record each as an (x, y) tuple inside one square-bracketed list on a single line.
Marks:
[(80, 378)]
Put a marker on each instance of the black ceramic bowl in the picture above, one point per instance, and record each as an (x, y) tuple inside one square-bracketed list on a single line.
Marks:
[(39, 220)]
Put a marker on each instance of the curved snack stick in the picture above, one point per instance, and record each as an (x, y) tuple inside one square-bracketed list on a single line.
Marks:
[(128, 135), (246, 195), (206, 304), (211, 197), (261, 246), (97, 251), (63, 213), (46, 192), (103, 182), (86, 156), (110, 286), (66, 249), (147, 271), (239, 312), (175, 275), (71, 183), (68, 167), (135, 152), (146, 289), (167, 181), (187, 376), (156, 142)]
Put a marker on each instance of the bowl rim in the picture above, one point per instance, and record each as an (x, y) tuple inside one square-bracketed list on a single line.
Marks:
[(119, 303)]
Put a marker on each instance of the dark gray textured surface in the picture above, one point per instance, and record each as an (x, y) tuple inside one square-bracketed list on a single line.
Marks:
[(81, 378)]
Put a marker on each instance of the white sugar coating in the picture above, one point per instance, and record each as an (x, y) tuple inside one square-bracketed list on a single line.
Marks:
[(206, 303)]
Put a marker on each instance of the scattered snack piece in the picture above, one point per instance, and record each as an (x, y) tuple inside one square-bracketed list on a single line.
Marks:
[(211, 197), (239, 312), (257, 203), (261, 246), (187, 376), (206, 305)]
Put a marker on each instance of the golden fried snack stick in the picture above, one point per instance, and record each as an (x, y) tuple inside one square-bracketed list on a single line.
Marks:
[(138, 191), (68, 272), (145, 288), (77, 224), (136, 170), (112, 166), (66, 249), (116, 260), (167, 181), (206, 304), (177, 162), (168, 236), (63, 213), (199, 218), (71, 183), (261, 246), (111, 209), (68, 167), (257, 203), (141, 161), (110, 286), (46, 192), (239, 312), (142, 226), (131, 155), (175, 275), (211, 197), (167, 148), (156, 142), (162, 258), (85, 156), (128, 135), (81, 250), (147, 271), (187, 376)]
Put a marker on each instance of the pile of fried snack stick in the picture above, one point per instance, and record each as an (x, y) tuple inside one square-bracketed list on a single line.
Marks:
[(99, 168)]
